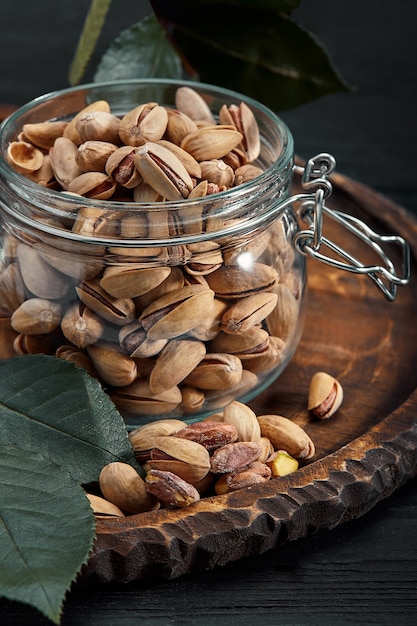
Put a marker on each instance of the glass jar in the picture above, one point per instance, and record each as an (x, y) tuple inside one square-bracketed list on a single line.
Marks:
[(176, 306)]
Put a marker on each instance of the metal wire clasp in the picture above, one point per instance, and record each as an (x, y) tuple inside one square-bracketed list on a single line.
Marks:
[(314, 179)]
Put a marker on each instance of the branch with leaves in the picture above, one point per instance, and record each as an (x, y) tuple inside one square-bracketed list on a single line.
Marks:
[(251, 46)]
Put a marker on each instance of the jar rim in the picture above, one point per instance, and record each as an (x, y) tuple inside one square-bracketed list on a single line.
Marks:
[(27, 188)]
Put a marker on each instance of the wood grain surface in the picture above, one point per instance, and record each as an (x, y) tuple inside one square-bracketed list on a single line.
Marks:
[(363, 453)]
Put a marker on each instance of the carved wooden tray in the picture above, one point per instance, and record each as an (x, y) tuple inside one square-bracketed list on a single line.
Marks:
[(364, 452)]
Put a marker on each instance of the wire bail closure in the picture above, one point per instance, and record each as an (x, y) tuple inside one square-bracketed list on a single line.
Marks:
[(314, 179)]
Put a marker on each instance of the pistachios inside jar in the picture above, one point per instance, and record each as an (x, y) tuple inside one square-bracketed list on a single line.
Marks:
[(144, 239)]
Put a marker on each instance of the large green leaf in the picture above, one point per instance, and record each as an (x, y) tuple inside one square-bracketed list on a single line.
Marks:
[(46, 530), (140, 51), (51, 406), (253, 49)]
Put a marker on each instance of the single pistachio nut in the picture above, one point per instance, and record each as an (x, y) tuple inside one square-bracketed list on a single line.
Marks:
[(142, 439), (232, 281), (98, 126), (171, 490), (175, 361), (121, 484), (75, 355), (248, 312), (188, 459), (325, 395), (216, 371), (284, 434), (218, 172), (43, 134), (137, 399), (96, 185), (118, 311), (211, 142), (243, 418), (254, 474), (179, 125), (71, 132), (64, 161), (242, 118), (282, 321), (163, 171), (234, 456), (36, 316), (210, 434), (112, 366), (92, 156), (192, 104), (81, 326), (120, 166), (39, 276)]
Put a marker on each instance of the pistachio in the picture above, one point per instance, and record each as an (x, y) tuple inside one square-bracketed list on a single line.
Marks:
[(64, 162), (123, 486), (163, 171), (134, 340), (283, 319), (7, 337), (97, 185), (281, 463), (192, 400), (24, 157), (209, 434), (117, 311), (211, 142), (92, 156), (113, 367), (138, 399), (142, 439), (81, 326), (191, 165), (232, 281), (43, 134), (121, 167), (78, 357), (98, 126), (179, 125), (171, 490), (185, 458), (254, 474), (248, 312), (146, 122), (192, 104), (234, 456), (285, 434), (216, 372), (325, 395), (175, 361), (12, 290), (71, 132), (176, 312), (243, 119), (244, 420), (36, 316), (103, 508), (40, 278), (132, 281), (246, 172)]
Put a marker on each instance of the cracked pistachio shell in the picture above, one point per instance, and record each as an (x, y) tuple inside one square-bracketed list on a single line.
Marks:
[(97, 185), (142, 439), (163, 171), (119, 311), (24, 157), (248, 312), (146, 122), (191, 165), (176, 312), (175, 361), (325, 395), (185, 458), (243, 119)]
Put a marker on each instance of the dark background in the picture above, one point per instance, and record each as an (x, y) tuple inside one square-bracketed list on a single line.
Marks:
[(364, 571)]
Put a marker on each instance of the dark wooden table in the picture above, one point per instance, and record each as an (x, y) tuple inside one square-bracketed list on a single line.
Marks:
[(364, 571)]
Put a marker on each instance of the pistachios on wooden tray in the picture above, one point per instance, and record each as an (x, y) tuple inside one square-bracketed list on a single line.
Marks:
[(363, 452)]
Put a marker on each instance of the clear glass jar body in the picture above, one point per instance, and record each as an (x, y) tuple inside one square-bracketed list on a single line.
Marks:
[(178, 307)]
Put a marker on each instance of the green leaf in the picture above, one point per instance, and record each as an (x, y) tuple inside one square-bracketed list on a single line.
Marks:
[(254, 50), (88, 39), (51, 406), (140, 51), (46, 530)]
